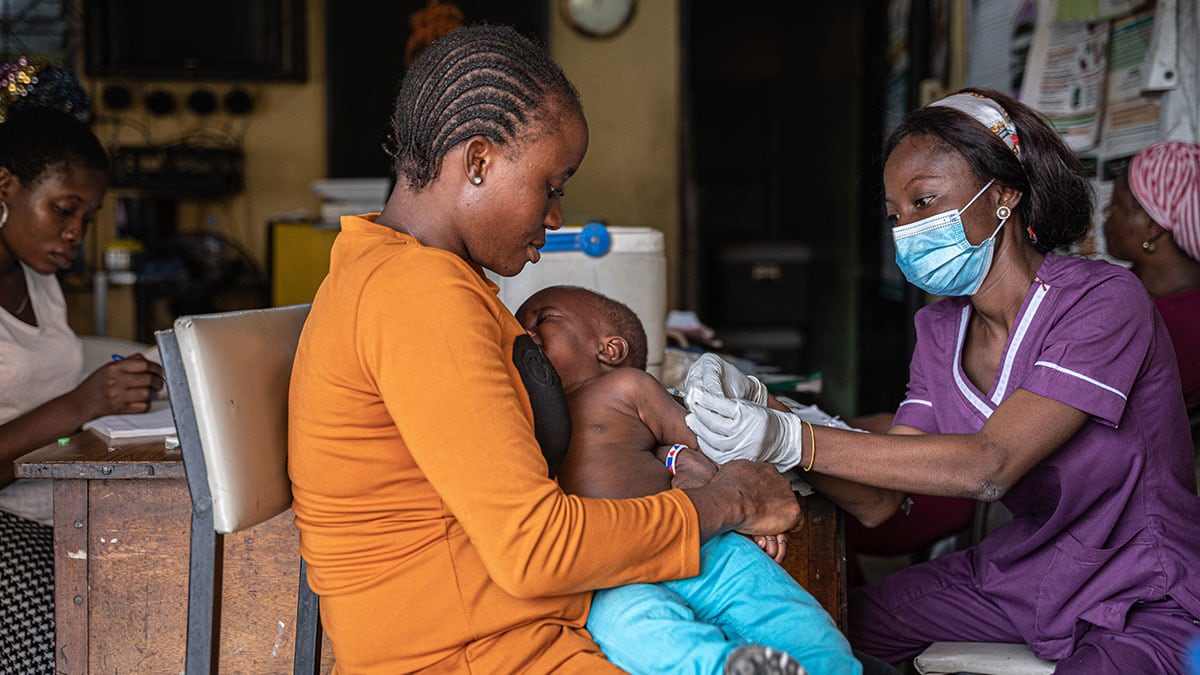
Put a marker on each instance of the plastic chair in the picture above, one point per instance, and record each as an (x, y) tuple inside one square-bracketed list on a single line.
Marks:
[(981, 658), (227, 377)]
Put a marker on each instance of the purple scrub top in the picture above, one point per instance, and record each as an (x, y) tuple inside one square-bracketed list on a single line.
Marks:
[(1111, 518)]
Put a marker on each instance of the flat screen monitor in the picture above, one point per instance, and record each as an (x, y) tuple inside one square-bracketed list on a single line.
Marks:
[(195, 40)]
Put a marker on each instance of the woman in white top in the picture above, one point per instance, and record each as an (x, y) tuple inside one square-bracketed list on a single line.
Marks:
[(53, 175)]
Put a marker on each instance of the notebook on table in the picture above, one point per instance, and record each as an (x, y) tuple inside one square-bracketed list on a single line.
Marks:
[(157, 423)]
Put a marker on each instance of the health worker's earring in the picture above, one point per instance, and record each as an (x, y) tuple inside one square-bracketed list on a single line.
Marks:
[(4, 214), (1003, 212), (1148, 246), (476, 180)]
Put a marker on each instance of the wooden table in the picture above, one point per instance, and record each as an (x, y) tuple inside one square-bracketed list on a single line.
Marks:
[(816, 555), (121, 524)]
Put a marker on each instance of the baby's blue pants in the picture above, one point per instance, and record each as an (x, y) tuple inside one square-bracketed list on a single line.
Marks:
[(740, 597)]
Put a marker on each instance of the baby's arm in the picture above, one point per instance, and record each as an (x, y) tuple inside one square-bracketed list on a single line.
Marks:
[(659, 411), (665, 417)]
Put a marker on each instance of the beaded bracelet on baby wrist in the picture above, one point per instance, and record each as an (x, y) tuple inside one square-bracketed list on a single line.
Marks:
[(671, 454)]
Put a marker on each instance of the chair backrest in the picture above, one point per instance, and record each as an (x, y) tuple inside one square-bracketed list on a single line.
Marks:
[(238, 367), (228, 376)]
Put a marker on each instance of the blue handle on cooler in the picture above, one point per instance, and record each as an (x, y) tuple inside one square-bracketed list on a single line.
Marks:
[(594, 240)]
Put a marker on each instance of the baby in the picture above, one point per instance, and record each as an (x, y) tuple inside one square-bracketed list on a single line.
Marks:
[(743, 613)]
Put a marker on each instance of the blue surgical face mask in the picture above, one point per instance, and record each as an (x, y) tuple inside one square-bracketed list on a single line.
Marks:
[(936, 256)]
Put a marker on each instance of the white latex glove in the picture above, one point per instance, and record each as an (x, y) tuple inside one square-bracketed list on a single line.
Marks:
[(712, 374), (731, 429)]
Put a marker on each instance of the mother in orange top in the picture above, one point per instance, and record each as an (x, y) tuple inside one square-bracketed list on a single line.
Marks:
[(426, 428)]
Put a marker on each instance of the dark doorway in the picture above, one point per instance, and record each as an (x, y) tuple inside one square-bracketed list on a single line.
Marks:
[(783, 106), (365, 44)]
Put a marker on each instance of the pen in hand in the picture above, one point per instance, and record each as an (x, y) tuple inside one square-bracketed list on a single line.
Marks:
[(161, 390)]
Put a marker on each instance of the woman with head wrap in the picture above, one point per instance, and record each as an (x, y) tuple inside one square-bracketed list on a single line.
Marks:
[(1153, 221)]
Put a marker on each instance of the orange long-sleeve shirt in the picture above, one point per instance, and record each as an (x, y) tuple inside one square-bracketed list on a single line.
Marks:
[(433, 534)]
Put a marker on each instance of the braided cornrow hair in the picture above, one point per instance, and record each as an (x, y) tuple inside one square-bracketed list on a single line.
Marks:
[(482, 80)]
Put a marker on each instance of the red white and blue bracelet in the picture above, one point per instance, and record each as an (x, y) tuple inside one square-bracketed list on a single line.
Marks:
[(671, 456)]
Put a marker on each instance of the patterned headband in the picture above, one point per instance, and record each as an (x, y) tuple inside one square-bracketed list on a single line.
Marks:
[(1165, 178), (988, 113), (34, 83)]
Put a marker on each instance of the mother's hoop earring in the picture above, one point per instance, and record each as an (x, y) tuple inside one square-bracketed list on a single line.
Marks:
[(4, 214)]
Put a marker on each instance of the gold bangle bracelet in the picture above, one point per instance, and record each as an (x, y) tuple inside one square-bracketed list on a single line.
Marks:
[(812, 450)]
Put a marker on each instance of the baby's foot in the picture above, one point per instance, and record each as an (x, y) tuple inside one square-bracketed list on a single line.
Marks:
[(760, 660)]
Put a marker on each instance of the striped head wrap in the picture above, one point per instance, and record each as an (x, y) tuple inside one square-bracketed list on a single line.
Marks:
[(988, 113), (1165, 179)]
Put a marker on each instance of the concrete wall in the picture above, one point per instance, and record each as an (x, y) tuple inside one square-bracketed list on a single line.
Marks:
[(283, 139), (630, 87)]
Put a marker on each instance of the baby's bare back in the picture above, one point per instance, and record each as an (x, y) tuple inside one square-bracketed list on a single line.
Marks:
[(612, 446)]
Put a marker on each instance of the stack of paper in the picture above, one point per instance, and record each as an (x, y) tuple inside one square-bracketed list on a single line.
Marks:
[(350, 197), (157, 423)]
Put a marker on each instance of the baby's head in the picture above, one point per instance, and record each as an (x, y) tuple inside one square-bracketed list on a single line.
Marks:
[(583, 332)]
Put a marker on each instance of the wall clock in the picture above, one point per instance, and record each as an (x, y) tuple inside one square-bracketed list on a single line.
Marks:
[(597, 18)]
